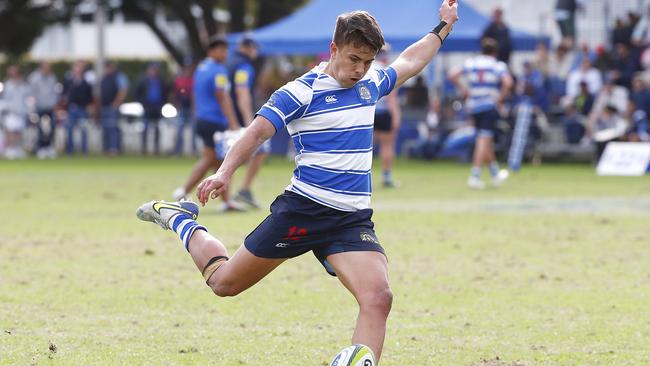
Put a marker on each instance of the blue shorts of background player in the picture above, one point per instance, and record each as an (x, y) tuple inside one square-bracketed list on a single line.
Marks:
[(486, 122)]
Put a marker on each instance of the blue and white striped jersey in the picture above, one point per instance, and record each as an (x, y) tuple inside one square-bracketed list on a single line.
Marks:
[(332, 130), (483, 73)]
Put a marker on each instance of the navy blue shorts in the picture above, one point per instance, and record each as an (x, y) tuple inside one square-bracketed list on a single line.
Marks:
[(383, 121), (486, 121), (297, 225), (206, 129)]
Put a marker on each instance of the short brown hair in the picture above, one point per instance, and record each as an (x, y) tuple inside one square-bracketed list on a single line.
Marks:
[(358, 28), (489, 46)]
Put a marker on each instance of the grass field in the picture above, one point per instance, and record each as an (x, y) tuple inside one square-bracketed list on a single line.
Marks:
[(551, 269)]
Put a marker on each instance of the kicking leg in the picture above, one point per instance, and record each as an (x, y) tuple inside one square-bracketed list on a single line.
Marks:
[(365, 275), (234, 275), (226, 277)]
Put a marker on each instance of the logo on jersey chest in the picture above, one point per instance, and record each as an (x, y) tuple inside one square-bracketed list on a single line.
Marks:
[(331, 99)]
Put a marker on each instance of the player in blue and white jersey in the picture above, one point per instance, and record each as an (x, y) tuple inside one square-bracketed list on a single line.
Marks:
[(325, 209), (488, 84)]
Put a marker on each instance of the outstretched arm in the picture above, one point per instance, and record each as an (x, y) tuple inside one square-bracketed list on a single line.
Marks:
[(419, 54), (259, 131)]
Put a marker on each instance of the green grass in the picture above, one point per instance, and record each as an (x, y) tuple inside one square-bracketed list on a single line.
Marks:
[(551, 269)]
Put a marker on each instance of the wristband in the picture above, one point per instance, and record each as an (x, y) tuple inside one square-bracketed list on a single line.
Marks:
[(437, 30)]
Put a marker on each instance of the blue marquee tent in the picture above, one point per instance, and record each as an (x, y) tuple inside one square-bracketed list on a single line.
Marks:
[(309, 30)]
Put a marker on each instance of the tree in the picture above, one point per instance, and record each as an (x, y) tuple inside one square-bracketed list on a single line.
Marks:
[(199, 27), (22, 22)]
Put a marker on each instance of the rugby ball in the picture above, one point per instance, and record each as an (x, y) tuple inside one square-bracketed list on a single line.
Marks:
[(356, 355)]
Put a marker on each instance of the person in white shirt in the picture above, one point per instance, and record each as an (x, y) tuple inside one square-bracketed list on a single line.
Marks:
[(586, 73), (15, 97)]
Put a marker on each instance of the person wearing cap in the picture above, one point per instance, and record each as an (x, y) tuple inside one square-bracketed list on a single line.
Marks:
[(213, 112), (241, 73)]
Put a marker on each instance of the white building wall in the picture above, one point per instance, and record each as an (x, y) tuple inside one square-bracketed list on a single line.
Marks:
[(79, 40)]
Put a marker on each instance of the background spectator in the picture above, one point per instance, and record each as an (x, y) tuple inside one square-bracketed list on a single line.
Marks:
[(152, 91), (113, 90), (15, 97), (565, 15), (182, 98), (43, 86), (641, 34), (587, 74), (77, 97), (624, 65), (499, 31), (584, 101)]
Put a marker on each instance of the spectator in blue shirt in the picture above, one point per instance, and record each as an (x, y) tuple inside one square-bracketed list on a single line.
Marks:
[(152, 92)]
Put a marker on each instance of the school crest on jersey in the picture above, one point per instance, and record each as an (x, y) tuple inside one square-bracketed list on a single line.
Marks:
[(363, 91)]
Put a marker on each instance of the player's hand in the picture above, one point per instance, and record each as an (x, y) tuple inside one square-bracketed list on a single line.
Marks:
[(212, 187), (449, 11)]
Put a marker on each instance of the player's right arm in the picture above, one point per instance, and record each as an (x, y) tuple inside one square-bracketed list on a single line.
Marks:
[(259, 131), (285, 105)]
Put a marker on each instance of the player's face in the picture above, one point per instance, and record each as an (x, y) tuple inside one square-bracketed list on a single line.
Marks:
[(349, 63), (219, 53)]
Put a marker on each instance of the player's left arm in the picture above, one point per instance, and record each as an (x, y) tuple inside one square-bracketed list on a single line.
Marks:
[(259, 131), (419, 54)]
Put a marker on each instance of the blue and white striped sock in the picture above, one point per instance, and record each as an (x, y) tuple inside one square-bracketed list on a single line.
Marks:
[(184, 226)]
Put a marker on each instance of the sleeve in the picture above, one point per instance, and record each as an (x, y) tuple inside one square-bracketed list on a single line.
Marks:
[(282, 107), (122, 81), (387, 80), (242, 76), (502, 69), (221, 80)]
